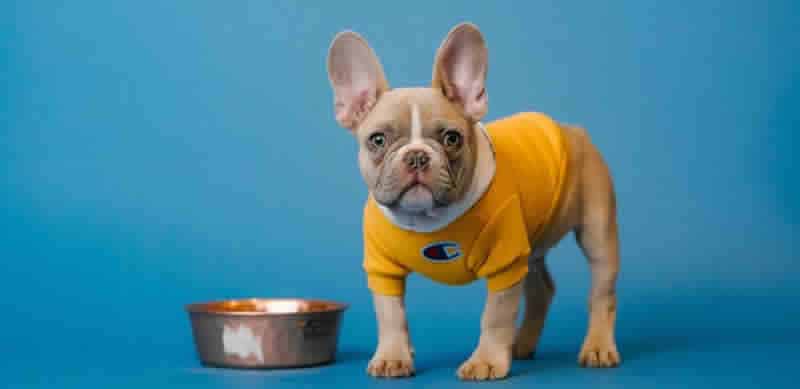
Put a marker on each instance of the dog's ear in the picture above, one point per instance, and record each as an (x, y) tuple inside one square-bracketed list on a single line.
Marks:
[(460, 68), (356, 76)]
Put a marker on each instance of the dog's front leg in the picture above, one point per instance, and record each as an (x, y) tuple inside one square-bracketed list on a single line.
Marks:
[(492, 358), (394, 356)]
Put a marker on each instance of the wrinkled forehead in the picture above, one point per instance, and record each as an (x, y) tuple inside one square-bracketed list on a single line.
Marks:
[(403, 109)]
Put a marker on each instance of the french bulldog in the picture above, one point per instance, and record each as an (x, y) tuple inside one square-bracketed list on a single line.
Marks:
[(457, 200)]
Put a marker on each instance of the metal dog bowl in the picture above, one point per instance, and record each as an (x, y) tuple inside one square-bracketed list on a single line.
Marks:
[(266, 333)]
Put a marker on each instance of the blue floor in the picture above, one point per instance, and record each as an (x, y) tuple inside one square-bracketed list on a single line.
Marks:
[(669, 338)]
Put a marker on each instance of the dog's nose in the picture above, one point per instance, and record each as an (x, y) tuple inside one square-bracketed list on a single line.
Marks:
[(417, 159)]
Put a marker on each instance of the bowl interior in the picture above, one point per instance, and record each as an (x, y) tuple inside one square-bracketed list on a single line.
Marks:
[(258, 306)]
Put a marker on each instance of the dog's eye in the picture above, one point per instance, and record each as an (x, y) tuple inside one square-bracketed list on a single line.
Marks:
[(377, 139), (451, 138)]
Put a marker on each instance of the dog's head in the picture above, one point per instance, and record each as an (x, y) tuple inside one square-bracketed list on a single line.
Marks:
[(417, 146)]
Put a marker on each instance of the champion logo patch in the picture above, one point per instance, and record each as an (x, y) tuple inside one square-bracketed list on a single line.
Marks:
[(441, 251)]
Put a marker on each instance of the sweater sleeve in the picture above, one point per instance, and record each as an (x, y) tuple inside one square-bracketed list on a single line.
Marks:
[(500, 253), (384, 275)]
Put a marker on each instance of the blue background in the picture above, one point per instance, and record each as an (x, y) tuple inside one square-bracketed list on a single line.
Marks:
[(154, 154)]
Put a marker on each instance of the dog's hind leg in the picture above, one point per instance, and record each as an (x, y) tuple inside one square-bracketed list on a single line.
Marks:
[(598, 238), (539, 290)]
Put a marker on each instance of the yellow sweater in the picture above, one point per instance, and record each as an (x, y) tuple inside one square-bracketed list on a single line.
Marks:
[(494, 237)]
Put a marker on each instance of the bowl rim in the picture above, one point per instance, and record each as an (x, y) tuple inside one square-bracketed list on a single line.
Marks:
[(203, 307)]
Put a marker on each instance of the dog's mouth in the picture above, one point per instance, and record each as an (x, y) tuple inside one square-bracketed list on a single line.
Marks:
[(412, 195), (416, 198), (414, 184), (411, 189)]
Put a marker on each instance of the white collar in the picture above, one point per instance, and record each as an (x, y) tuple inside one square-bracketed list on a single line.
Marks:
[(442, 217)]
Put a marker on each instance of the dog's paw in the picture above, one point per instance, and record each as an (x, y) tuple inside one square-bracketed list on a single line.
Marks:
[(599, 353), (479, 369), (390, 368)]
